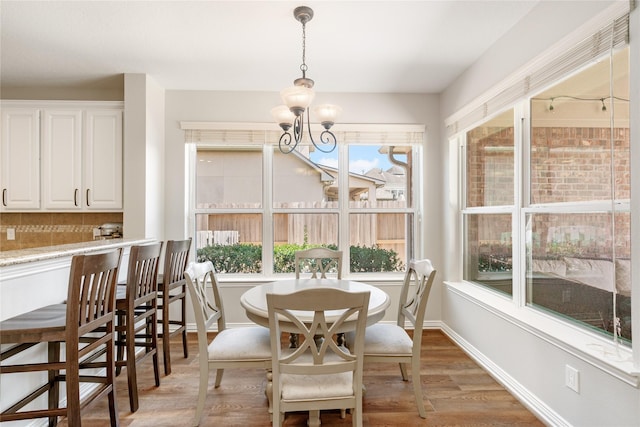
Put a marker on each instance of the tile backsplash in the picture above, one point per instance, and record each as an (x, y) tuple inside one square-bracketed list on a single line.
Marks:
[(37, 229)]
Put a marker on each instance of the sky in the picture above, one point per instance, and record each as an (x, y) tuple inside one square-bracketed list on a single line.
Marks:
[(362, 158)]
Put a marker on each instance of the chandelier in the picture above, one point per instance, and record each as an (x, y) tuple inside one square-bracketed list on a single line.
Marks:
[(297, 99)]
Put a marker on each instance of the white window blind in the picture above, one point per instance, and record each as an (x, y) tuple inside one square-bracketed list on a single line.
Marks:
[(258, 133), (603, 41)]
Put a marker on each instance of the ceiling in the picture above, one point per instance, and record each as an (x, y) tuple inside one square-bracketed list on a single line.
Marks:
[(352, 46)]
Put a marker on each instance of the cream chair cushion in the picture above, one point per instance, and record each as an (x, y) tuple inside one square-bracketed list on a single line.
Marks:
[(383, 339), (299, 387), (250, 343)]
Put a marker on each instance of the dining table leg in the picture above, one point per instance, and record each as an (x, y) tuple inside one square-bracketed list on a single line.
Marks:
[(314, 418)]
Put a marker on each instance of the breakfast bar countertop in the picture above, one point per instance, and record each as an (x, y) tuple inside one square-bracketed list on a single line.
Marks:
[(21, 256)]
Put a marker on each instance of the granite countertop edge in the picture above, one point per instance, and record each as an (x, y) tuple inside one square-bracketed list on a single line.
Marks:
[(22, 256)]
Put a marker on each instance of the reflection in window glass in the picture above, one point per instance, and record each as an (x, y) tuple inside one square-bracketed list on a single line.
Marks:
[(228, 178), (378, 241), (232, 241), (572, 268), (293, 232), (299, 182), (572, 140), (490, 163), (488, 251), (380, 176)]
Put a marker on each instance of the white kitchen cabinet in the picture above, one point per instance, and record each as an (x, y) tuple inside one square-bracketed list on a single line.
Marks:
[(82, 159), (103, 159), (61, 155), (62, 159), (20, 159)]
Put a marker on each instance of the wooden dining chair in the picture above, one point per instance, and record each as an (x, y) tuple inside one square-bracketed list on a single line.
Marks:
[(172, 292), (85, 325), (390, 342), (318, 262), (245, 347), (318, 374), (137, 316)]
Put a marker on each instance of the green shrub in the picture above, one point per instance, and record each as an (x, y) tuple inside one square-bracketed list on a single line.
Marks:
[(244, 258), (372, 259), (239, 258)]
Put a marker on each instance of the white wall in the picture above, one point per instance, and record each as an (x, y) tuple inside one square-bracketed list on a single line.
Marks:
[(527, 360), (143, 157)]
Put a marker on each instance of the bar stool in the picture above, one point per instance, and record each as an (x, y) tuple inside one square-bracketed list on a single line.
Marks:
[(85, 324), (172, 289), (136, 315)]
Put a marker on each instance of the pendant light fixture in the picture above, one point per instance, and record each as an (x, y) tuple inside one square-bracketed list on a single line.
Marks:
[(297, 100)]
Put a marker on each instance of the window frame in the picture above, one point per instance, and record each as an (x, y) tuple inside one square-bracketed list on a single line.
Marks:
[(515, 305), (365, 135)]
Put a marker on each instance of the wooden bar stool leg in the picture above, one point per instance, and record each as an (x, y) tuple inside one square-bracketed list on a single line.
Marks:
[(166, 336), (54, 384), (132, 379), (119, 339), (152, 332)]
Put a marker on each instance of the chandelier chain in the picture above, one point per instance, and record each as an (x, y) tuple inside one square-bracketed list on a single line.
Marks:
[(303, 66)]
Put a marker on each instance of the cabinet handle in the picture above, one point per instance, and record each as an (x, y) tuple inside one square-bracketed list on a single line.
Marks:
[(88, 197), (75, 197), (4, 197)]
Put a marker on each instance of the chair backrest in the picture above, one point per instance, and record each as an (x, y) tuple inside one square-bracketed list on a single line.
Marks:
[(318, 261), (176, 257), (206, 310), (334, 311), (91, 293), (142, 273), (414, 296)]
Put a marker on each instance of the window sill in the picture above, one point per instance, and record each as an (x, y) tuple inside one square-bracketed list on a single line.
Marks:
[(593, 349), (257, 279)]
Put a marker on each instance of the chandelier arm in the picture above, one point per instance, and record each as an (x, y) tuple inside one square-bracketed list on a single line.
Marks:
[(284, 144), (327, 138), (298, 127)]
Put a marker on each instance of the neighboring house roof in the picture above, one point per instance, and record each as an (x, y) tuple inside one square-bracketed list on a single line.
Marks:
[(326, 174)]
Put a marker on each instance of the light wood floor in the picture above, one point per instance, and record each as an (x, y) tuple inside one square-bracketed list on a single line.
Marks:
[(457, 392)]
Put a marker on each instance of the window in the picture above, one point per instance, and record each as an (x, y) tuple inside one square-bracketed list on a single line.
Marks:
[(572, 215), (254, 206)]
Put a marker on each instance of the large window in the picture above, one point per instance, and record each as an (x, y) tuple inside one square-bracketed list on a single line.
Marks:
[(569, 164), (254, 206)]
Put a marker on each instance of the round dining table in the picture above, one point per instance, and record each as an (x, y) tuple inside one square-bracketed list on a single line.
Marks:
[(254, 301)]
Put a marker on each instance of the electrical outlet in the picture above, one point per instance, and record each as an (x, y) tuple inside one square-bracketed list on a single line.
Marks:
[(572, 378), (11, 234)]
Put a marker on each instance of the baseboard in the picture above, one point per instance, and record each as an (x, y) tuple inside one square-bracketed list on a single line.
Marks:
[(529, 400)]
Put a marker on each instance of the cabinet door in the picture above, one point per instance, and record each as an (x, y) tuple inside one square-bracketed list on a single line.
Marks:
[(20, 156), (61, 159), (103, 159)]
